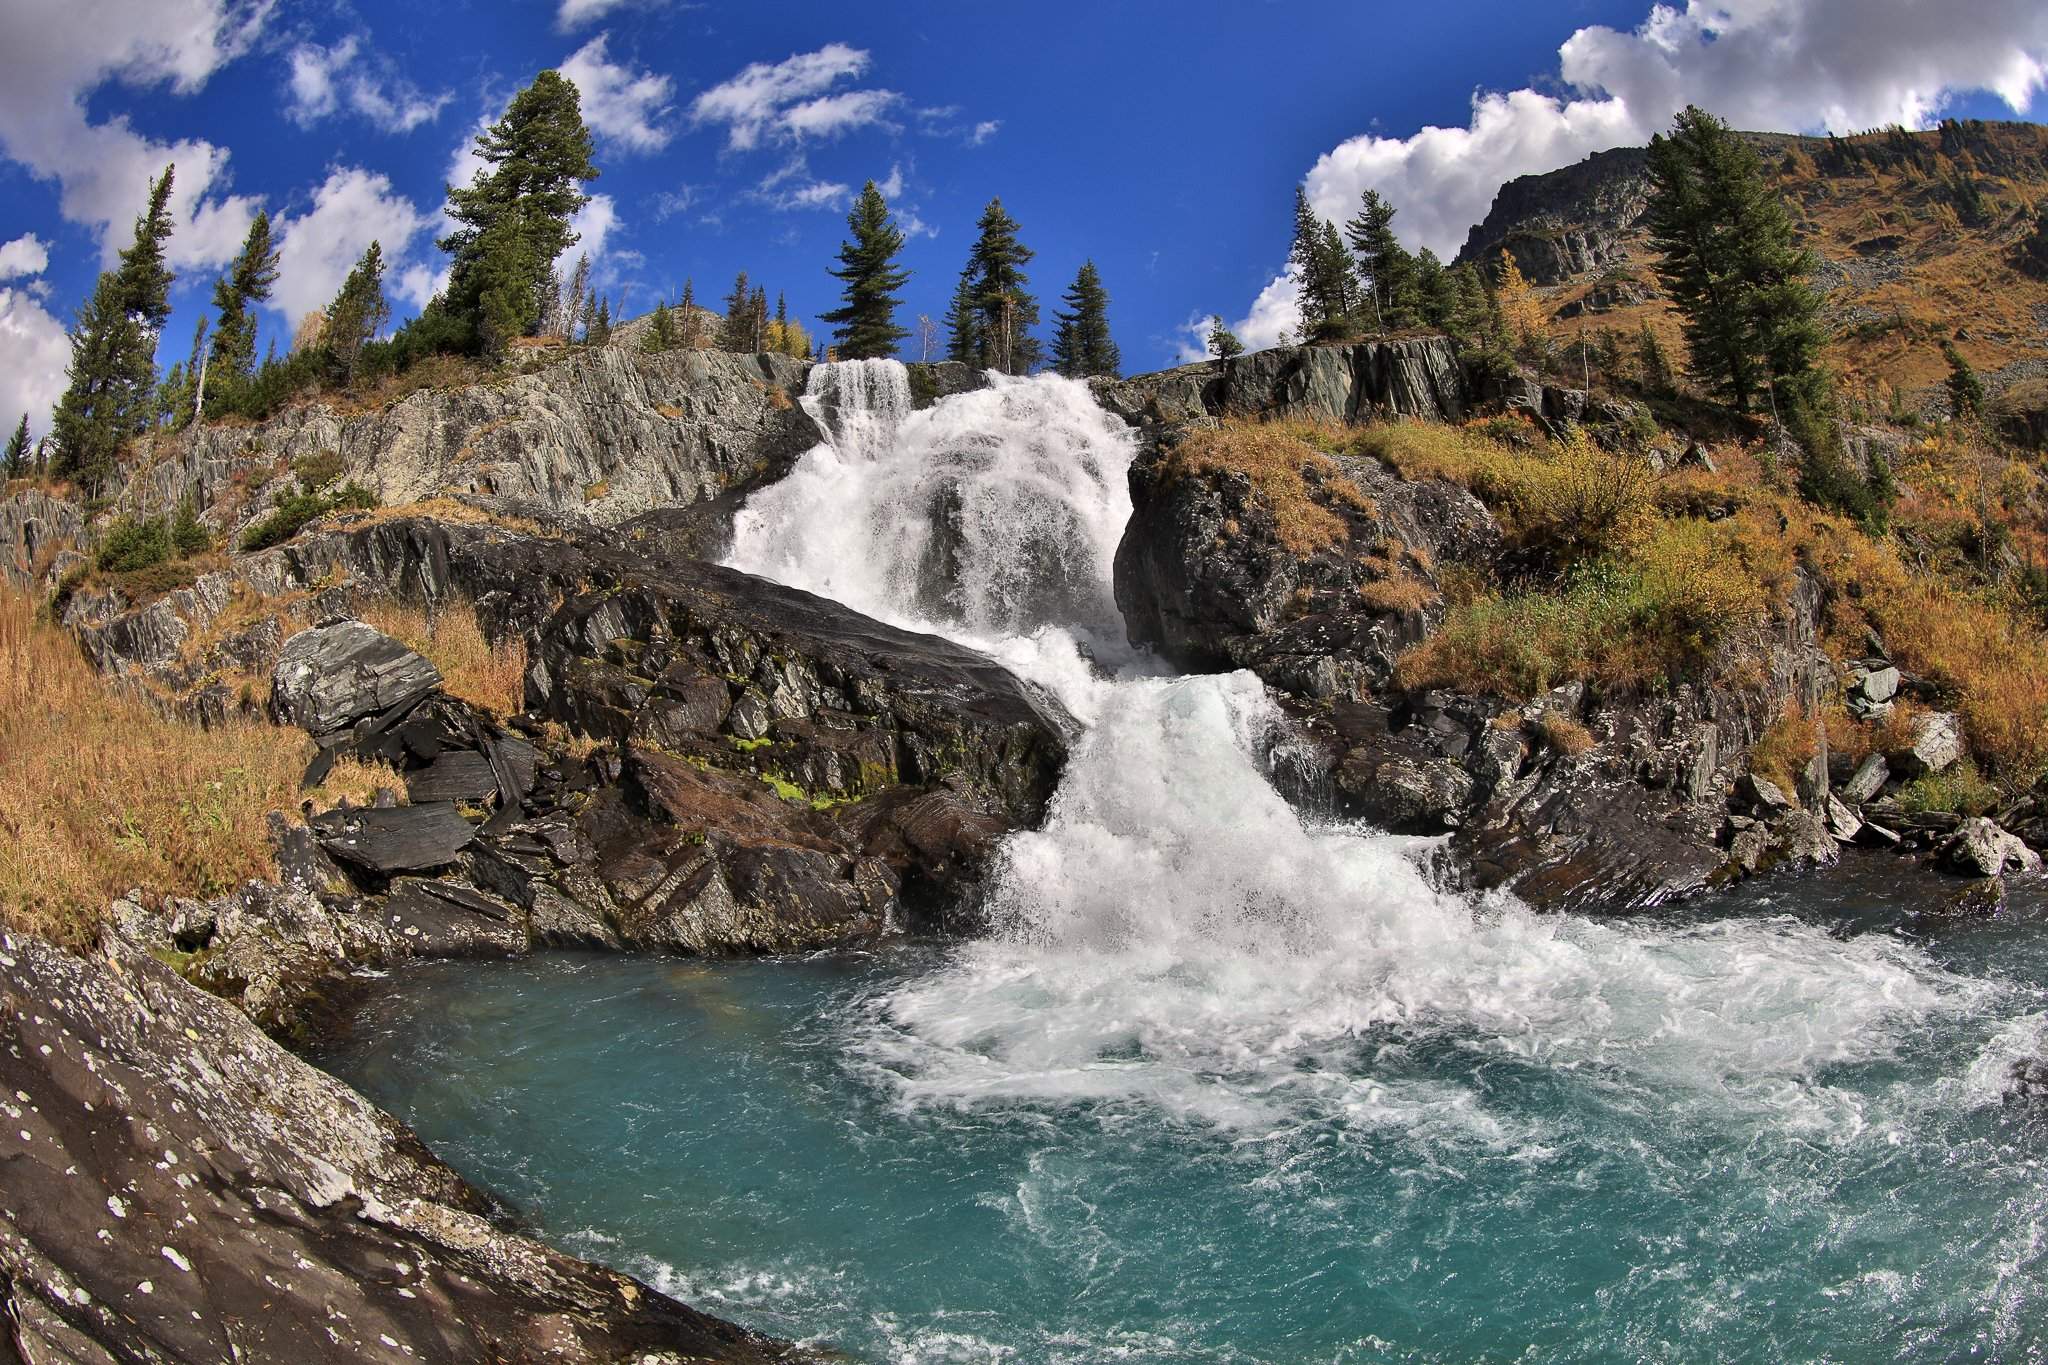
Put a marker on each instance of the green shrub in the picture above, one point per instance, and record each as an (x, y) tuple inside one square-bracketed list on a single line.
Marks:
[(1962, 790), (188, 533), (130, 544), (295, 511), (317, 471)]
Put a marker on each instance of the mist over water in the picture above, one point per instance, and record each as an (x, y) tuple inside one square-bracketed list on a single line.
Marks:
[(1230, 1083)]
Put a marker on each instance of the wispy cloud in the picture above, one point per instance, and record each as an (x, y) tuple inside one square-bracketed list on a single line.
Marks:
[(983, 131), (324, 80), (625, 106), (787, 100)]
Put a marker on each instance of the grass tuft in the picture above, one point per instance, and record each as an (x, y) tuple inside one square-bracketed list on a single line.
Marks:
[(473, 668)]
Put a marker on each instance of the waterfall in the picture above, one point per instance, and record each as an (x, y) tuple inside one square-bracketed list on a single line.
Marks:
[(1177, 935)]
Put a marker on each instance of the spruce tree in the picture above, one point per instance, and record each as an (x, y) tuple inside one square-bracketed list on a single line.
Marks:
[(661, 332), (1223, 343), (1436, 292), (1004, 310), (1081, 344), (514, 220), (690, 326), (1650, 360), (1324, 272), (1471, 309), (1729, 262), (236, 294), (112, 376), (14, 463), (736, 330), (1965, 390), (864, 326), (358, 312), (1385, 269), (601, 323), (963, 329), (757, 321)]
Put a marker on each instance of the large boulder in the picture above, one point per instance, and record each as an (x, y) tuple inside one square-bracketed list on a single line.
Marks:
[(328, 678), (1935, 744), (1981, 848), (181, 1188)]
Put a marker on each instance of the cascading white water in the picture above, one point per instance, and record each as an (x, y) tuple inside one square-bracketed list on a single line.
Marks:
[(1177, 935)]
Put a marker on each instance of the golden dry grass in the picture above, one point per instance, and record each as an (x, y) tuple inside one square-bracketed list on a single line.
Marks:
[(1287, 464), (1398, 592), (1564, 734), (473, 669), (99, 793), (445, 509)]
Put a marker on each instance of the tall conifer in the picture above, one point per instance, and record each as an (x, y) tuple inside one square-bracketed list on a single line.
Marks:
[(112, 378), (1005, 311), (864, 326), (1081, 344)]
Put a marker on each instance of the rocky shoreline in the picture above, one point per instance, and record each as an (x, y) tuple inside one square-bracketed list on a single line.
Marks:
[(705, 762)]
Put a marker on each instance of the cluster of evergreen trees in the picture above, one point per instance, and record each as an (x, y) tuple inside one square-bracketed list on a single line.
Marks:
[(1363, 282)]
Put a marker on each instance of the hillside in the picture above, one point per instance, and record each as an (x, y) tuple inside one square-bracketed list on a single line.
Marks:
[(1919, 235)]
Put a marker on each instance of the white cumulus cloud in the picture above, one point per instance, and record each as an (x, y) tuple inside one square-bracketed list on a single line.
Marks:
[(27, 254), (34, 352), (351, 209), (576, 13), (622, 105), (55, 53)]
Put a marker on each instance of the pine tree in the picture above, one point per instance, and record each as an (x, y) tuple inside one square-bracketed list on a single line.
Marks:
[(1471, 308), (1004, 310), (113, 350), (864, 326), (1965, 390), (1436, 292), (1081, 344), (1650, 359), (601, 323), (963, 331), (781, 328), (690, 326), (14, 463), (514, 220), (1324, 271), (661, 332), (1729, 262), (736, 330), (358, 313), (1385, 269), (247, 283), (574, 317), (1223, 343), (757, 321)]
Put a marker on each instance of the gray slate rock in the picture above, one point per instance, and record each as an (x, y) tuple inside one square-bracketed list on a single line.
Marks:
[(1937, 744), (1867, 781), (332, 676)]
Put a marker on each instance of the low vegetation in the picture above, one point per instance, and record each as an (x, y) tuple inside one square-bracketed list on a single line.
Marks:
[(100, 793), (473, 667), (1289, 467)]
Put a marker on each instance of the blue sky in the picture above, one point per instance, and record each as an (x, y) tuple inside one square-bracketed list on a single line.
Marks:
[(1161, 139)]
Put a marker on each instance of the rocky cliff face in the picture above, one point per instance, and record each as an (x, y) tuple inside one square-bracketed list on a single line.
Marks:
[(603, 434), (1421, 377), (180, 1188), (1566, 224)]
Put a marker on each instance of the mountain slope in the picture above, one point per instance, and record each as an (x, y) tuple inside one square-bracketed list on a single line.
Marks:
[(1919, 235)]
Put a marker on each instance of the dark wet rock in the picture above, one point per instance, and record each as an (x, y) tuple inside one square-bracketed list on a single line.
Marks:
[(453, 919), (457, 775), (1981, 899), (181, 1188), (1202, 575), (2029, 1079), (328, 678), (398, 839)]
